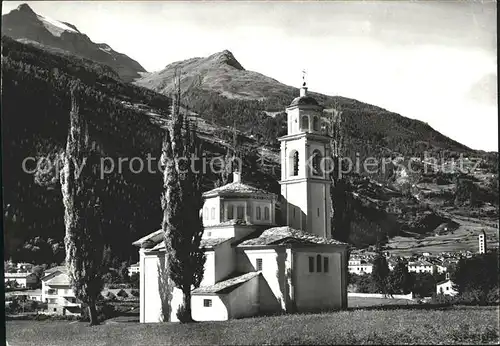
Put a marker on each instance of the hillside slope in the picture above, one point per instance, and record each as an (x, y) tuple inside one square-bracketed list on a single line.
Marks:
[(220, 89), (27, 26), (126, 121)]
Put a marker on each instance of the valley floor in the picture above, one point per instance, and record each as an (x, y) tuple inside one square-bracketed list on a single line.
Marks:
[(414, 324), (464, 238)]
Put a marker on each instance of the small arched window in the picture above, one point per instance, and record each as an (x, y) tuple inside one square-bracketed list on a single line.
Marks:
[(266, 213), (212, 212), (230, 214), (316, 163), (304, 124), (257, 213), (294, 163), (316, 124), (205, 213)]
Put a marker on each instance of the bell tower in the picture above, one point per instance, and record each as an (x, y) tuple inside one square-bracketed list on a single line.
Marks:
[(305, 181)]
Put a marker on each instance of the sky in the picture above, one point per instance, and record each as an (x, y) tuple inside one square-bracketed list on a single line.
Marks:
[(435, 61)]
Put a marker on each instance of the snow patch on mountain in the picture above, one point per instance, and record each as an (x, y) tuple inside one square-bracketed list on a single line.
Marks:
[(55, 27)]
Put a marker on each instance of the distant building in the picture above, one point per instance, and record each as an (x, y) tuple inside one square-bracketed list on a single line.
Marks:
[(421, 267), (58, 294), (360, 267), (482, 242), (134, 269), (446, 287), (441, 268), (27, 267), (24, 280), (28, 295)]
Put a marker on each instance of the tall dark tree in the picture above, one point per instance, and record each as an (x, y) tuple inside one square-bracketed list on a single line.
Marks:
[(182, 202), (399, 279), (380, 272), (339, 194), (83, 212), (477, 276)]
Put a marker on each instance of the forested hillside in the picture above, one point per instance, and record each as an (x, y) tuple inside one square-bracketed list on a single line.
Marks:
[(35, 124), (126, 121)]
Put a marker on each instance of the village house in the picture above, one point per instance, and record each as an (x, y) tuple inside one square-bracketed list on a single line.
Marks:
[(23, 280), (25, 295), (133, 269), (253, 265), (360, 267), (57, 292), (446, 287), (421, 266)]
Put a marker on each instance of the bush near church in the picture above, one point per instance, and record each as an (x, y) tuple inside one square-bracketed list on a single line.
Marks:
[(122, 294)]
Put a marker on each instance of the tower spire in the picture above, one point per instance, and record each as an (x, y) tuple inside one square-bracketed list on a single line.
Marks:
[(303, 90)]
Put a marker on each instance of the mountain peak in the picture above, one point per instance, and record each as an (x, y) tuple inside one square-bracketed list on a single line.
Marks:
[(226, 57), (25, 9)]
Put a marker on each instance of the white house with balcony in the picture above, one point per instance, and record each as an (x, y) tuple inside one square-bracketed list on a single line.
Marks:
[(254, 265), (446, 287), (421, 267), (23, 280), (133, 269), (359, 267), (58, 294)]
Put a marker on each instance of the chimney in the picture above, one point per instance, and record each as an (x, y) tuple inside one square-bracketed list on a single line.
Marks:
[(236, 177)]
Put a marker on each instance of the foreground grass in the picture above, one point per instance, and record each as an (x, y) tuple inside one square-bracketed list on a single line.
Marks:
[(454, 325)]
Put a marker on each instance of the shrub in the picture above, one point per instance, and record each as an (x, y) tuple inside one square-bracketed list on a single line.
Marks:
[(110, 296), (122, 294), (104, 312), (183, 315), (134, 292), (443, 299), (116, 286)]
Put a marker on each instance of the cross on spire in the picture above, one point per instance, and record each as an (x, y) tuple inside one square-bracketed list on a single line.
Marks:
[(304, 77)]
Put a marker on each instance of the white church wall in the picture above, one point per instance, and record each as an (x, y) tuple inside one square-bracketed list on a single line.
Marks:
[(296, 204), (319, 209), (217, 311), (244, 300), (318, 290), (211, 211), (273, 271), (209, 273), (158, 302), (225, 260)]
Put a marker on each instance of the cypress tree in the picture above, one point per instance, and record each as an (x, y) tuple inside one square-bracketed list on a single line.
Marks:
[(181, 202), (380, 271), (83, 213)]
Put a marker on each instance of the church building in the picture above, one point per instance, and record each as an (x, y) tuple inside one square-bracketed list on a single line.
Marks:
[(253, 266)]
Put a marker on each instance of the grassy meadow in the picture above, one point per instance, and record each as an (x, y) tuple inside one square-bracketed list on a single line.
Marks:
[(417, 324)]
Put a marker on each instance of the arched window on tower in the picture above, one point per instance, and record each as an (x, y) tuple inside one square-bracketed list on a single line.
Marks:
[(294, 163), (304, 124), (316, 124), (316, 163), (325, 128)]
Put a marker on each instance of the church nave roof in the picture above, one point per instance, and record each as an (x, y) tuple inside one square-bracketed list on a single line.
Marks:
[(236, 188), (284, 234)]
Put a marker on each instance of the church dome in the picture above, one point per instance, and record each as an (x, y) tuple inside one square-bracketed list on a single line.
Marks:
[(304, 100)]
